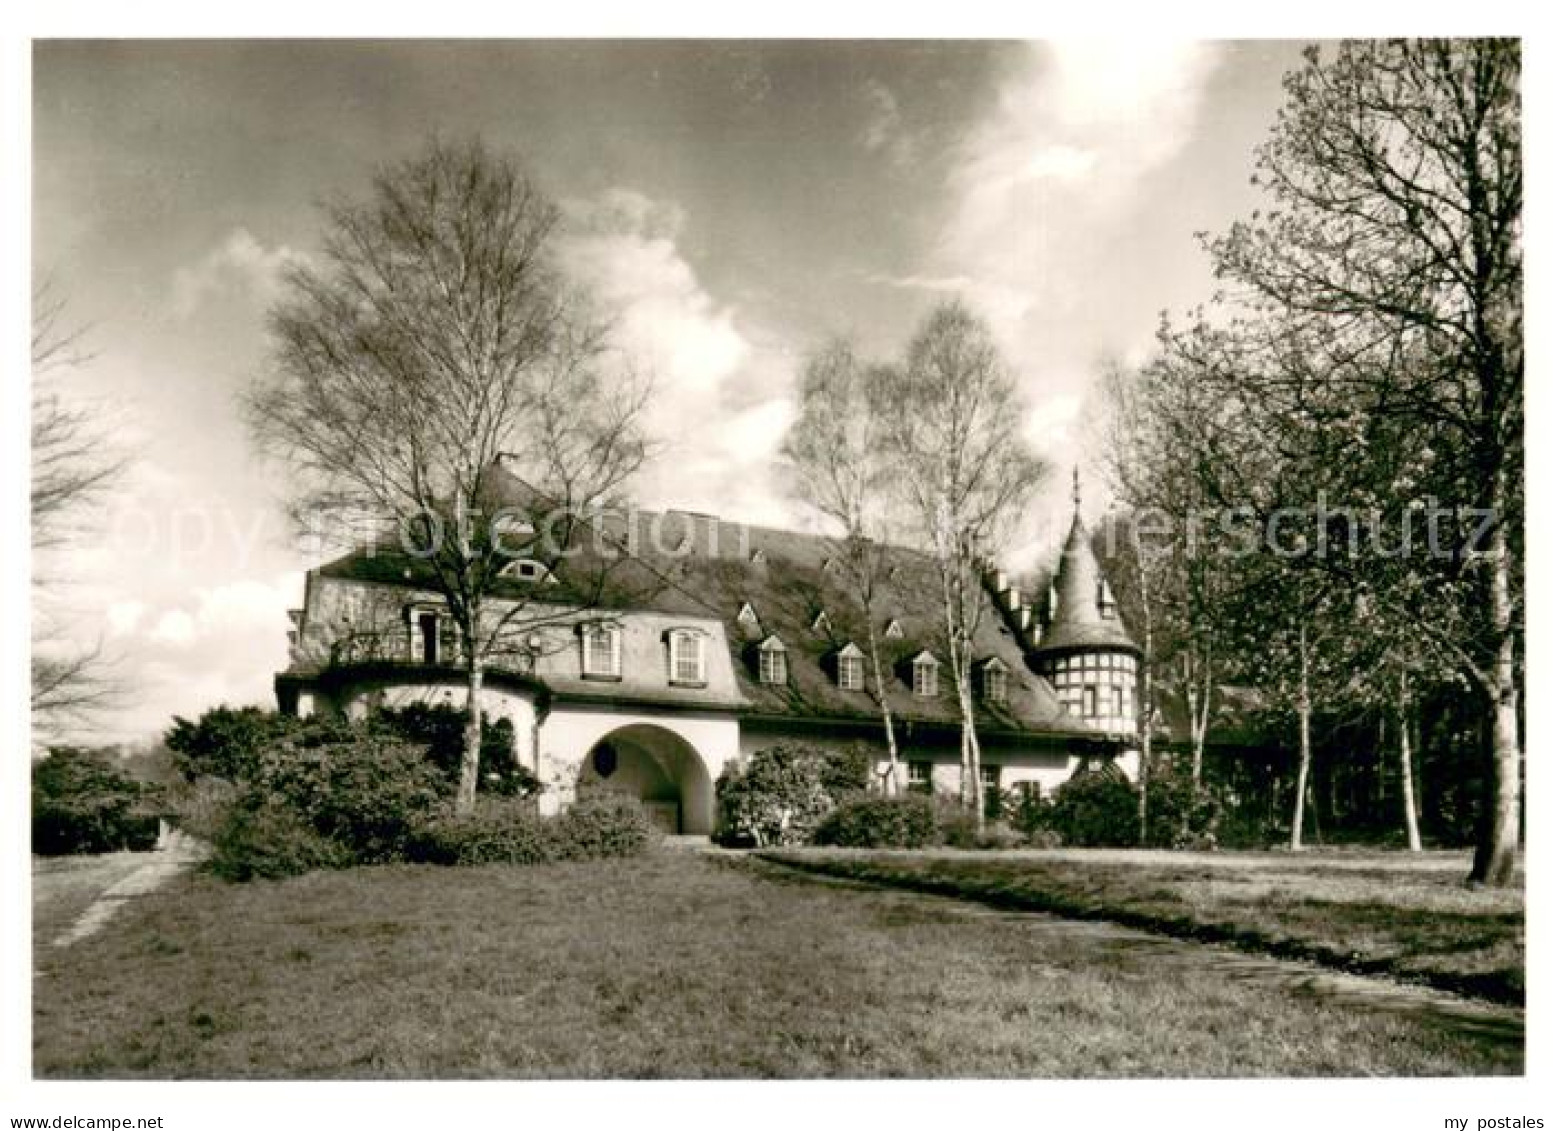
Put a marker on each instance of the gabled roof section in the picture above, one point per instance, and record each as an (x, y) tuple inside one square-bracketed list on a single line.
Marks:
[(772, 643), (850, 651), (894, 631)]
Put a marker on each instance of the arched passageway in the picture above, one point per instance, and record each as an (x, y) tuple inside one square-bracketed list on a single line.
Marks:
[(659, 768)]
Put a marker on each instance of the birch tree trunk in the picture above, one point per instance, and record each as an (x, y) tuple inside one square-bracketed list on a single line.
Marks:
[(892, 775), (1302, 779), (1145, 714), (1405, 750), (1494, 862), (469, 763)]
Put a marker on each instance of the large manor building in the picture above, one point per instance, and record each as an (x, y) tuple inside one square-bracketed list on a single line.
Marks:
[(653, 663)]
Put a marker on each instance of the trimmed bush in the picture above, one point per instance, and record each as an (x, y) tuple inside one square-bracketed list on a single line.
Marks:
[(1096, 808), (908, 821), (504, 831), (601, 825), (499, 831), (83, 803)]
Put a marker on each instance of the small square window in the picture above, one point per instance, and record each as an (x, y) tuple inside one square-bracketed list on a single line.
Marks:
[(919, 777)]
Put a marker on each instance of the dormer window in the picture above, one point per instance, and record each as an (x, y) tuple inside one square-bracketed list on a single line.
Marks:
[(747, 617), (773, 661), (849, 668), (924, 676), (527, 570), (758, 558), (1106, 600), (687, 658), (994, 681), (894, 631), (821, 623), (600, 651)]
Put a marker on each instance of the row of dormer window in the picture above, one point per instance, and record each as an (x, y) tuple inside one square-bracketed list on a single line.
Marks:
[(851, 671)]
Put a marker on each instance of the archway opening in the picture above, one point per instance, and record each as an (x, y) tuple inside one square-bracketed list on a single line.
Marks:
[(657, 767)]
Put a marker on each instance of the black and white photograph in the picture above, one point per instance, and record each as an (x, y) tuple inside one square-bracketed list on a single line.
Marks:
[(825, 558)]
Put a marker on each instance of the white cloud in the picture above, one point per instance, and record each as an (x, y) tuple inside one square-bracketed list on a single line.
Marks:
[(124, 616), (1054, 169), (884, 132), (174, 627), (719, 400), (240, 265)]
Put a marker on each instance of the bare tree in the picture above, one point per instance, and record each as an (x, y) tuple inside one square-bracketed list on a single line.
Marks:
[(73, 465), (836, 447), (966, 472), (437, 340)]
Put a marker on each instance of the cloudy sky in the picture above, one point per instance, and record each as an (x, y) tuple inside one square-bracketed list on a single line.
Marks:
[(734, 203)]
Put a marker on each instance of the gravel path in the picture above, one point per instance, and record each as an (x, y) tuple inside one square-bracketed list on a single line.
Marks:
[(176, 853)]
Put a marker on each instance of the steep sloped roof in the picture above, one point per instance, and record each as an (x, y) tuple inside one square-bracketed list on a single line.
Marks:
[(695, 565), (1078, 623)]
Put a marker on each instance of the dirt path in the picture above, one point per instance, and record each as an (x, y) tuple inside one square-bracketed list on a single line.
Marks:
[(1134, 950), (86, 893)]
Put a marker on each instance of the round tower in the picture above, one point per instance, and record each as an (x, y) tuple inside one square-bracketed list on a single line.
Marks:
[(1085, 651)]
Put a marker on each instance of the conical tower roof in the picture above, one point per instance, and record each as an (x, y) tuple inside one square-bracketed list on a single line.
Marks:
[(1078, 623)]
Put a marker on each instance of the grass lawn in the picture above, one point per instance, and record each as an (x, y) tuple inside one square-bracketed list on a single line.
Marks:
[(1371, 912), (673, 965)]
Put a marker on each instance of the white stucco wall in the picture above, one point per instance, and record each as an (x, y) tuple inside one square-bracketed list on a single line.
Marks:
[(572, 730)]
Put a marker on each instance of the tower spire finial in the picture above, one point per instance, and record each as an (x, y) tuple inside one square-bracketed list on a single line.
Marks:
[(1077, 499)]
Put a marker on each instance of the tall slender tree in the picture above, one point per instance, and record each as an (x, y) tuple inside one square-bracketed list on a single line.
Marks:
[(438, 336), (842, 469), (966, 474)]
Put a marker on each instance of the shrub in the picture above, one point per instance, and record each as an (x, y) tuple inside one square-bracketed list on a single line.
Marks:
[(846, 772), (956, 826), (1183, 814), (226, 742), (957, 829), (1096, 808), (498, 831), (1028, 813), (268, 840), (507, 831), (601, 825), (776, 798), (907, 821), (82, 803), (1043, 838), (439, 727), (360, 790)]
